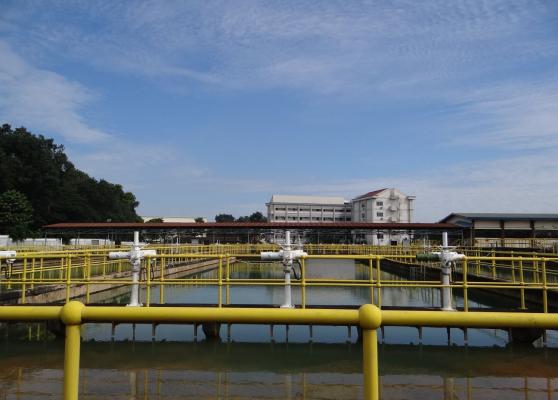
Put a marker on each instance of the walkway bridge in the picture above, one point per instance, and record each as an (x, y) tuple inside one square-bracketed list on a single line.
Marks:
[(31, 273)]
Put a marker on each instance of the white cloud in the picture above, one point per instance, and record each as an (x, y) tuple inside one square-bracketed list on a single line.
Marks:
[(485, 60), (515, 184), (42, 99), (518, 115), (322, 46)]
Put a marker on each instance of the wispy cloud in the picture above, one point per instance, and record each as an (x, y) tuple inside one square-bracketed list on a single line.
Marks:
[(48, 103), (39, 98), (322, 46), (487, 65), (515, 184), (517, 115)]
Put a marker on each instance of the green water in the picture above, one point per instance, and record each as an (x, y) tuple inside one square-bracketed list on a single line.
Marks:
[(172, 362)]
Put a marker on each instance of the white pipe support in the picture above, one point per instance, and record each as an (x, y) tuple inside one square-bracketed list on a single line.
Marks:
[(8, 254)]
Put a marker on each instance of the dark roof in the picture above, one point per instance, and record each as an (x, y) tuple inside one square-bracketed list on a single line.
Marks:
[(243, 225), (500, 216), (370, 194)]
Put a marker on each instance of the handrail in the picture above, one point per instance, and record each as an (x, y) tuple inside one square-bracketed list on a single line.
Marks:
[(369, 318), (517, 272)]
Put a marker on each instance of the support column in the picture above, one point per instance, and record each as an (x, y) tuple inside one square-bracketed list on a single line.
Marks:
[(370, 318), (71, 317), (502, 234)]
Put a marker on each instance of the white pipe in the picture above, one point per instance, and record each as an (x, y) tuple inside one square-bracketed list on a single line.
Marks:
[(288, 264), (445, 273), (8, 254), (286, 255), (446, 289), (135, 259), (135, 255)]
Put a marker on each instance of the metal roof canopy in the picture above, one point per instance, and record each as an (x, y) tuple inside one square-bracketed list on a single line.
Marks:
[(124, 227), (501, 216)]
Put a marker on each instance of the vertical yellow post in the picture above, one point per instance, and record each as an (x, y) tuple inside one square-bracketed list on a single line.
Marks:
[(24, 279), (303, 279), (41, 266), (477, 253), (161, 280), (513, 267), (522, 283), (87, 277), (493, 264), (32, 272), (370, 364), (370, 318), (465, 292), (68, 277), (71, 317), (104, 266), (536, 271), (379, 282), (148, 279), (371, 278), (545, 288), (220, 281), (227, 280)]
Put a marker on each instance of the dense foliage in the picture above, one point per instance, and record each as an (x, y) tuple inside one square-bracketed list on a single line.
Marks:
[(224, 218), (254, 217), (16, 214), (39, 169)]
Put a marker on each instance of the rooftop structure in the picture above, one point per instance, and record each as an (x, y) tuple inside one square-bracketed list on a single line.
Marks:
[(506, 229), (280, 198), (171, 219), (285, 208)]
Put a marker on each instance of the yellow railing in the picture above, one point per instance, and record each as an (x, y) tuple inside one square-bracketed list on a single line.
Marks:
[(89, 271), (369, 318)]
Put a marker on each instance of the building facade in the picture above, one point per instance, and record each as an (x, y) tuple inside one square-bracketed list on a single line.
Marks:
[(283, 208), (379, 206), (384, 205), (507, 229)]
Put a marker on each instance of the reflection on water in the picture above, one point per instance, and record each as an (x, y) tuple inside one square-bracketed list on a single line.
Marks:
[(277, 371), (175, 361)]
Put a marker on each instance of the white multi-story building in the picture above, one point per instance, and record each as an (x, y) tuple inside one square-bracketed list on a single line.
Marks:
[(384, 205), (282, 208), (379, 206)]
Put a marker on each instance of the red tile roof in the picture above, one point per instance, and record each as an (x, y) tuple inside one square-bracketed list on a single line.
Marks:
[(370, 194)]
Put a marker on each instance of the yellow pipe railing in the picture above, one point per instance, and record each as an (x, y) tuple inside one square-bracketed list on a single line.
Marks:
[(369, 318), (88, 270)]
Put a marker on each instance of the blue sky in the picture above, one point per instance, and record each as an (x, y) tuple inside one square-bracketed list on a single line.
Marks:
[(208, 107)]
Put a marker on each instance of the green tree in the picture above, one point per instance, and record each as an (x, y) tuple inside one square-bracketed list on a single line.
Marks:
[(57, 191), (224, 218), (16, 214), (257, 217), (156, 220), (199, 220), (254, 217)]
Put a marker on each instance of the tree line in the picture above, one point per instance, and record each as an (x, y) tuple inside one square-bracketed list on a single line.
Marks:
[(254, 217), (39, 185)]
